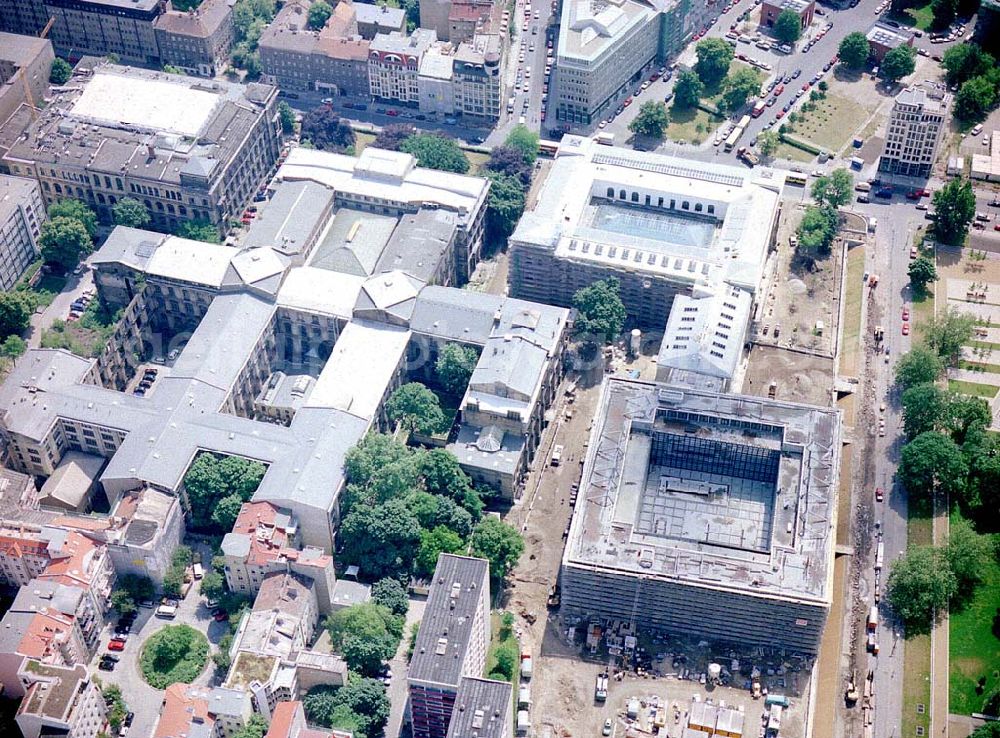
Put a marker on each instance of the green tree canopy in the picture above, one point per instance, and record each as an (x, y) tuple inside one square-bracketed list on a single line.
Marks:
[(987, 730), (955, 205), (391, 594), (854, 50), (922, 272), (600, 309), (932, 461), (16, 308), (688, 90), (976, 97), (833, 189), (454, 366), (417, 409), (509, 160), (12, 347), (524, 140), (947, 332), (287, 117), (76, 209), (498, 543), (968, 554), (767, 143), (255, 727), (919, 365), (319, 14), (433, 543), (504, 206), (962, 62), (442, 475), (739, 87), (787, 26), (436, 151), (651, 121), (176, 653), (925, 408), (943, 12), (919, 587), (326, 129), (366, 634), (122, 602), (714, 57), (382, 540), (130, 212), (361, 706), (226, 511), (816, 232), (60, 71), (213, 585), (198, 230), (63, 241), (898, 63), (215, 483)]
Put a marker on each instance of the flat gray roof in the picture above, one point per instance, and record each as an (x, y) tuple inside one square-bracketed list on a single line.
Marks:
[(482, 708), (289, 221)]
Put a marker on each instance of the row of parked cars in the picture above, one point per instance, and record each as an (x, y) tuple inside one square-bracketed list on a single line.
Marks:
[(78, 305)]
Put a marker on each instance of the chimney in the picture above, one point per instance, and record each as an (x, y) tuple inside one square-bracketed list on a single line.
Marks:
[(150, 151)]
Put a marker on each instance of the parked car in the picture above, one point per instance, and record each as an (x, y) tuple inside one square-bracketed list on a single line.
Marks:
[(116, 644)]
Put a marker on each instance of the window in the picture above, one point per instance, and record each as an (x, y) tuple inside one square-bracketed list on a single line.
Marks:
[(685, 205), (697, 207), (611, 192), (621, 194), (635, 197)]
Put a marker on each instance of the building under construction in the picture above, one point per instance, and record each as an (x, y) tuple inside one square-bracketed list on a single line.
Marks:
[(706, 515)]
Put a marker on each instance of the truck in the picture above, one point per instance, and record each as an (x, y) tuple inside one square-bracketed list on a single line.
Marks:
[(758, 109), (557, 453), (601, 687), (605, 139), (873, 619), (747, 156), (527, 666), (737, 132)]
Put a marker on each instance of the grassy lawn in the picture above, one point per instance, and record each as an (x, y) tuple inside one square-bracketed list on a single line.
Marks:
[(974, 645), (917, 653), (985, 345), (923, 308), (691, 125), (975, 366), (361, 140), (785, 151), (159, 663), (502, 640), (920, 17), (972, 388), (852, 310), (833, 122), (85, 337), (477, 160)]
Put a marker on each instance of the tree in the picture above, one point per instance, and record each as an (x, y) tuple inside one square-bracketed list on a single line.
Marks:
[(226, 511), (130, 212), (816, 232), (417, 409), (898, 63), (213, 585), (256, 726), (63, 241), (688, 90), (454, 366), (738, 87), (375, 452), (13, 347), (919, 365), (504, 206), (122, 602), (382, 540), (787, 26), (944, 13), (947, 332), (962, 62), (498, 543), (919, 587), (975, 98), (767, 143), (932, 461), (966, 416), (433, 543), (326, 130), (651, 121), (220, 484), (834, 189), (198, 230), (319, 14), (391, 136), (442, 475), (600, 309), (60, 71), (436, 152), (922, 272), (76, 209), (366, 634), (714, 58), (925, 407), (510, 161), (525, 141), (361, 701), (16, 308), (391, 594), (854, 50), (287, 117), (967, 553), (987, 730), (506, 660)]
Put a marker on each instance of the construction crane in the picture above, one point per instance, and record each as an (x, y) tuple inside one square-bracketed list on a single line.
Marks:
[(30, 98)]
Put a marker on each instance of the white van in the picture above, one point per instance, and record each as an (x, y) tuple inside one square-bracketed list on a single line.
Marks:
[(199, 572), (872, 224), (166, 611), (863, 187)]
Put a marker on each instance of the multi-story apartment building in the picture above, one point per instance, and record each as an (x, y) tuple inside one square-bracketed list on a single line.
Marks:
[(198, 41), (25, 63), (477, 82), (48, 636), (771, 9), (60, 700), (451, 644), (101, 27), (22, 213), (212, 712), (145, 527), (67, 601), (188, 149), (394, 64), (918, 117), (883, 38), (289, 721)]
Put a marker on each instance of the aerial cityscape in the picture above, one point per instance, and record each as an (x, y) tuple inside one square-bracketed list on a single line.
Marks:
[(482, 369)]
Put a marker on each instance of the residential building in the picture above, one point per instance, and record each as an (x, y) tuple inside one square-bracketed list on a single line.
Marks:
[(488, 709), (987, 166), (687, 242), (919, 115), (374, 18), (721, 521), (212, 712), (146, 526), (199, 40), (66, 601), (804, 9), (25, 63), (101, 27), (60, 700), (47, 636), (469, 17), (289, 721), (22, 213), (451, 644), (882, 39), (394, 64), (188, 149)]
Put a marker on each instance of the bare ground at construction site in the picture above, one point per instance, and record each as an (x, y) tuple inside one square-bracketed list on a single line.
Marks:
[(798, 377)]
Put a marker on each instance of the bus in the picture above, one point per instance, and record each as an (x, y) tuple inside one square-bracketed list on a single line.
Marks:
[(795, 178), (548, 148), (758, 109), (737, 132)]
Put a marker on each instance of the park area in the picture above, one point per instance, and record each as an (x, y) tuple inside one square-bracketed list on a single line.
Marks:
[(831, 122), (177, 653)]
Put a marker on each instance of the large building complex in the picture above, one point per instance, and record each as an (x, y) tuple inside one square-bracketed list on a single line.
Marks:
[(197, 41), (687, 242), (188, 149), (25, 63), (22, 213), (706, 514), (447, 696), (918, 117)]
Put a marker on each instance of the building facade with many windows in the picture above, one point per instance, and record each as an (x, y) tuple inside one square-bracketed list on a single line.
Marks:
[(22, 213), (917, 119)]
